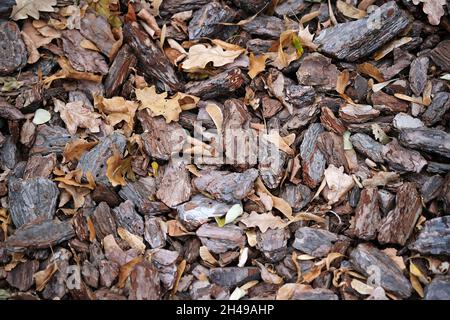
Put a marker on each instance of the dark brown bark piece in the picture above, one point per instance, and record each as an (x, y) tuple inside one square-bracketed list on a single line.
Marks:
[(32, 198), (9, 112), (39, 166), (441, 56), (153, 232), (175, 187), (21, 277), (438, 289), (308, 293), (175, 6), (106, 194), (357, 39), (97, 29), (50, 139), (434, 237), (386, 201), (9, 155), (316, 242), (220, 85), (206, 22), (13, 53), (158, 143), (367, 215), (144, 282), (233, 276), (290, 7), (418, 74), (252, 6), (226, 186), (330, 122), (220, 240), (94, 161), (317, 70), (140, 192), (127, 218), (154, 63), (267, 27), (81, 59), (119, 71), (369, 260), (358, 113), (199, 210), (298, 196), (270, 106), (426, 139), (271, 164), (398, 225), (313, 161), (103, 220), (437, 109), (432, 188), (273, 244), (332, 147), (40, 234), (388, 102), (367, 146), (401, 159)]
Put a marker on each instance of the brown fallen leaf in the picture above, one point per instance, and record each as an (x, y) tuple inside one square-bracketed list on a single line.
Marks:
[(175, 229), (116, 110), (67, 71), (180, 269), (278, 203), (385, 50), (287, 49), (42, 277), (370, 70), (216, 115), (263, 221), (116, 169), (25, 8), (338, 183), (392, 253), (267, 276), (75, 116), (77, 194), (350, 11), (76, 148), (91, 229), (361, 287), (125, 271), (257, 65), (434, 9), (207, 256)]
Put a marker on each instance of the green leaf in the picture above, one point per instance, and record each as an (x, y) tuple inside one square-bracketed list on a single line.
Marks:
[(297, 44), (347, 144)]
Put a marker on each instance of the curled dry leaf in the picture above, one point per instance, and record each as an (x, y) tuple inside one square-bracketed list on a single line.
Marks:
[(370, 70), (263, 221), (385, 50), (125, 271), (361, 287), (338, 183), (43, 277), (180, 269), (350, 11), (278, 203), (306, 38), (216, 115), (207, 256), (200, 55), (267, 276), (75, 116), (117, 168), (286, 50)]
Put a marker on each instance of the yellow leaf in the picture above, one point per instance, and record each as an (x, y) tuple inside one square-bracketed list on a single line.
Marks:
[(257, 65), (331, 257), (416, 285)]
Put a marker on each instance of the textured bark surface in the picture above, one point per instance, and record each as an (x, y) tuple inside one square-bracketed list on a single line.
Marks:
[(434, 238), (220, 240), (354, 40), (369, 260), (428, 140), (398, 225), (13, 53), (367, 215), (119, 71)]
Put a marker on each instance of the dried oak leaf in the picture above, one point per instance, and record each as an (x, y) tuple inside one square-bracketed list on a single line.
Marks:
[(76, 148), (116, 110), (200, 55), (25, 8), (75, 115), (287, 49), (433, 8), (263, 221), (159, 105)]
